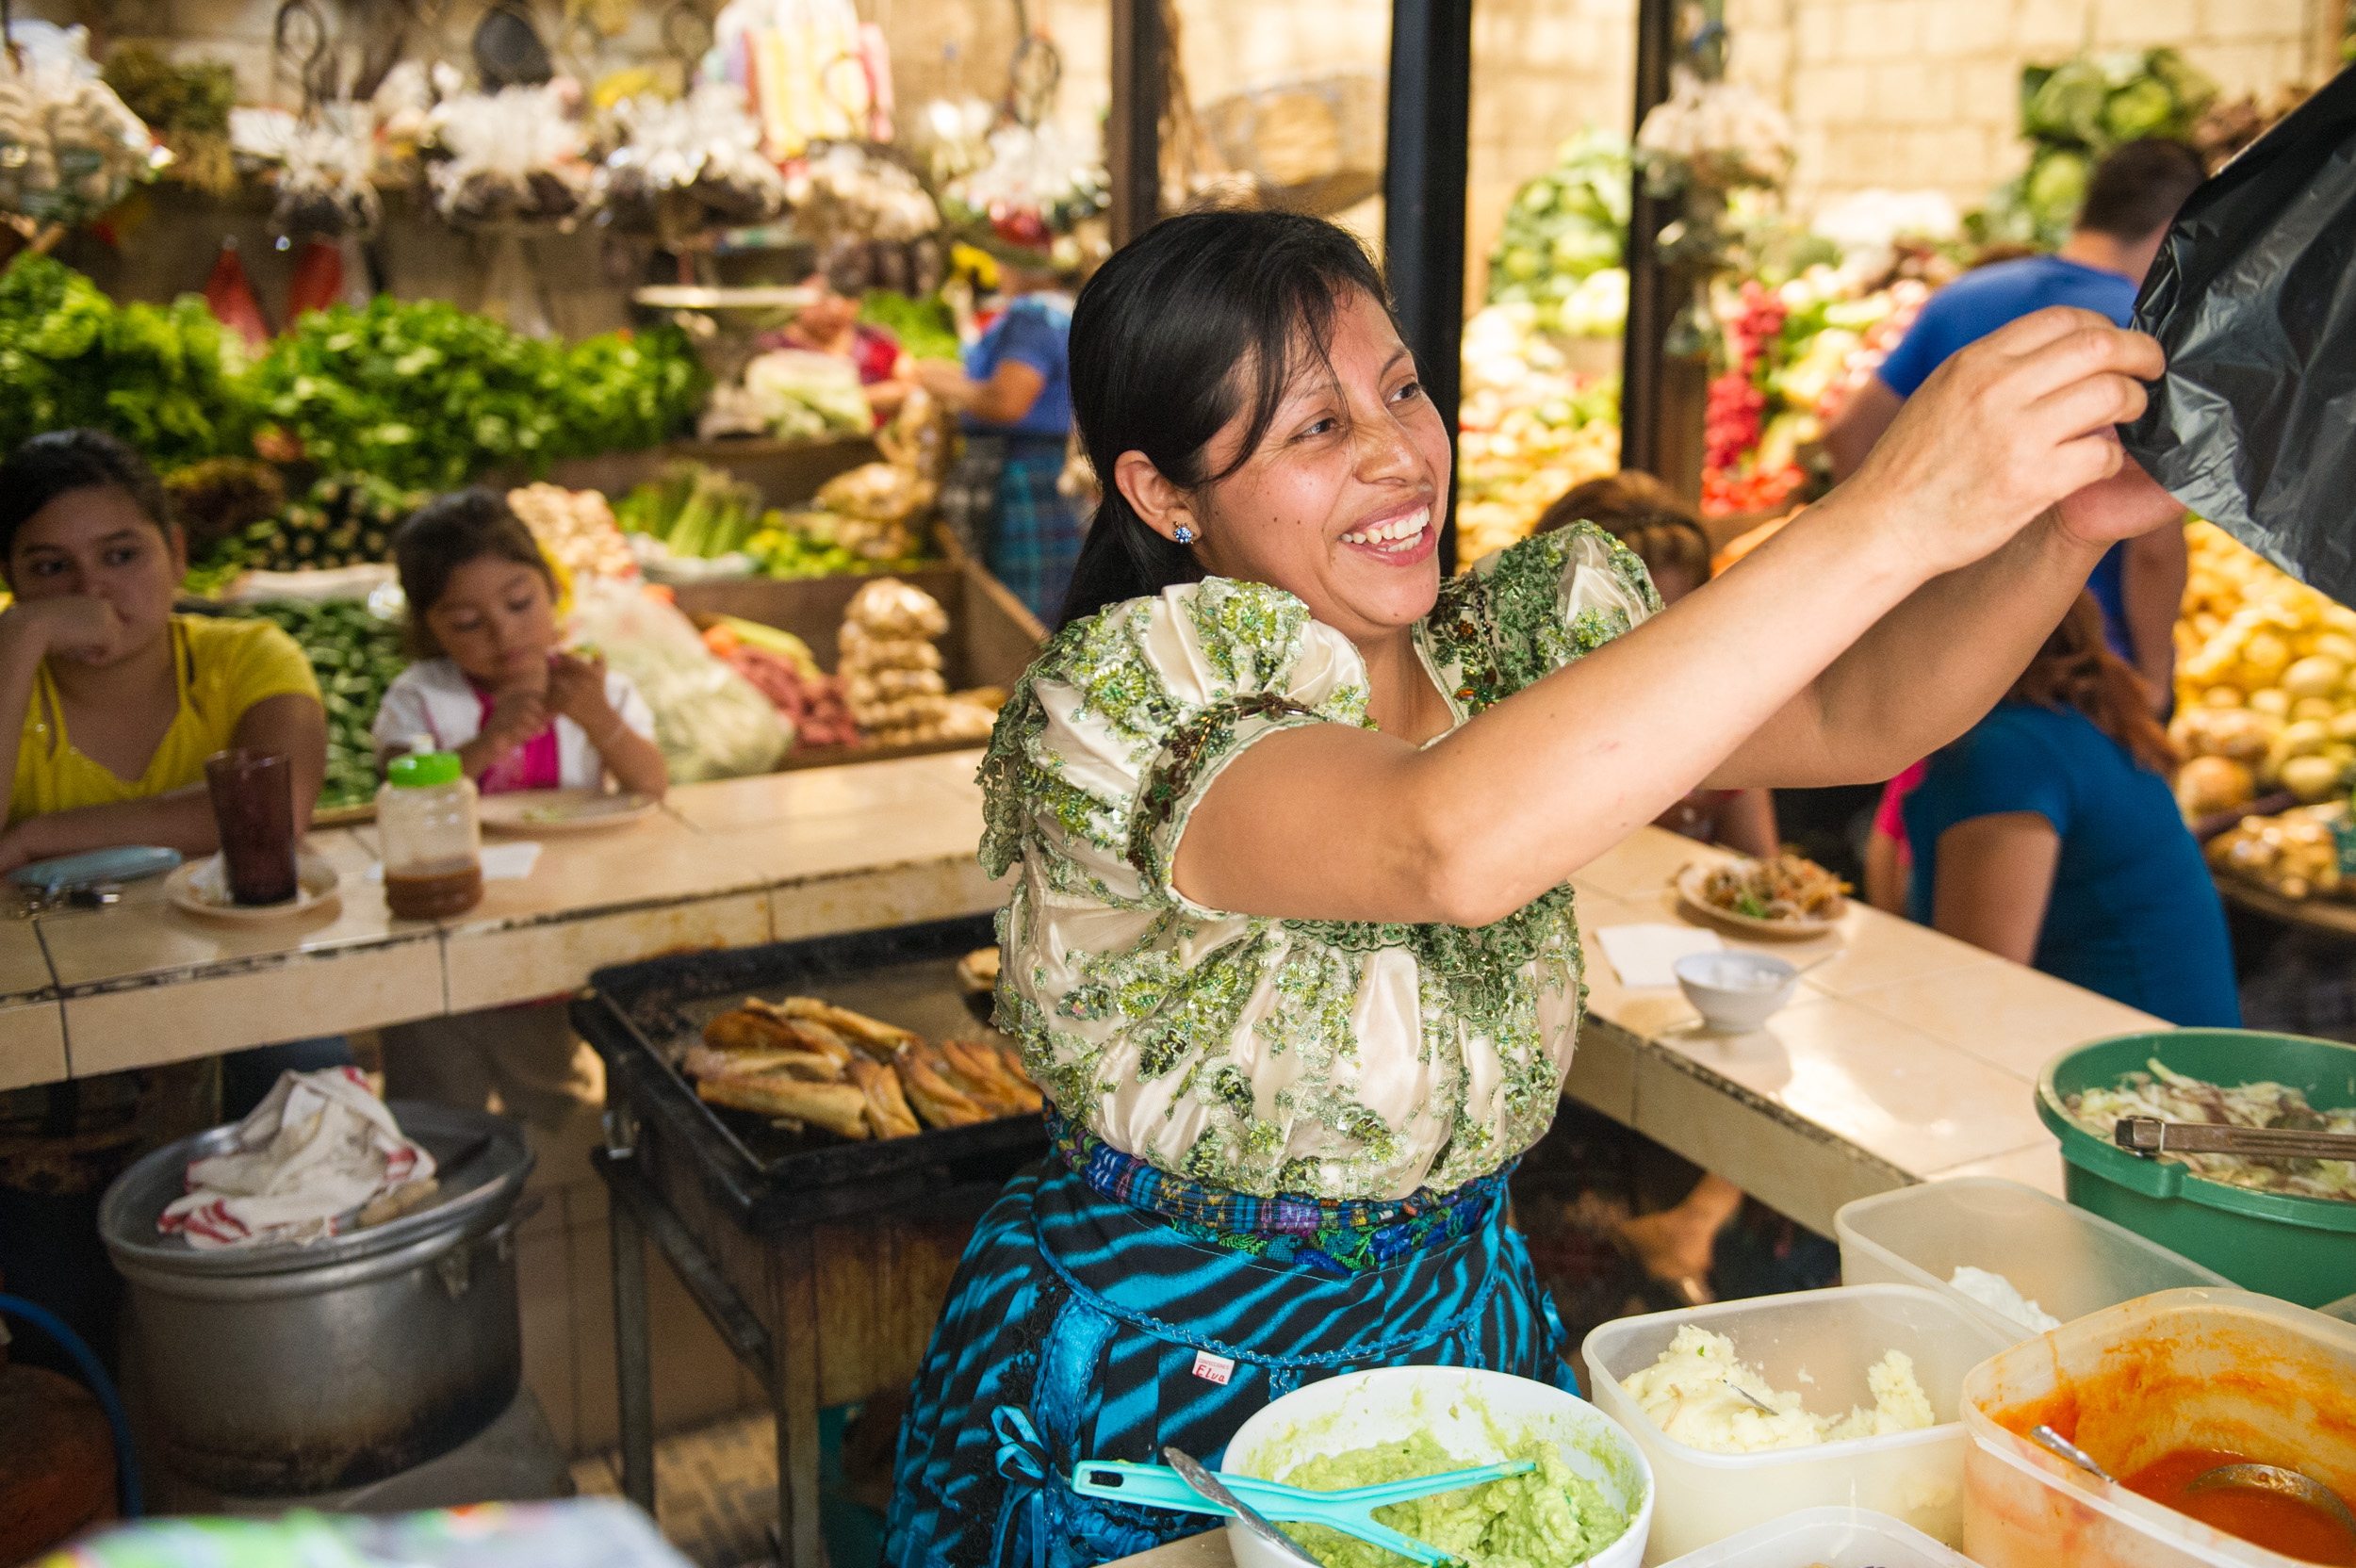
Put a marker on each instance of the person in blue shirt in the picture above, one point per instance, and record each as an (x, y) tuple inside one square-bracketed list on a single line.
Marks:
[(2130, 203), (1014, 394), (2048, 835)]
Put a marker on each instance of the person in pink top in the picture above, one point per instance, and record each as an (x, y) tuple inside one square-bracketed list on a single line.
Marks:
[(492, 684)]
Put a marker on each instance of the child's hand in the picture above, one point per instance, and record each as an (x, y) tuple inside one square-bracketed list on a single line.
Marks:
[(518, 714), (577, 690)]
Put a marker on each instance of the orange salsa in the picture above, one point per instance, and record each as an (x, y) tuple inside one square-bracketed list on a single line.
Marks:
[(2269, 1519)]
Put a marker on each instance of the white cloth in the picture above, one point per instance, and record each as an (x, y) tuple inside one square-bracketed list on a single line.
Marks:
[(1645, 956), (434, 697), (319, 1146)]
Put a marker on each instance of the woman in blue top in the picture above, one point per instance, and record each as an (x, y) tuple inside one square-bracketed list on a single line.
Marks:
[(1015, 394), (2048, 833)]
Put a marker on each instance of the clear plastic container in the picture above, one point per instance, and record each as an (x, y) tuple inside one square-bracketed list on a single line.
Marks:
[(2211, 1368), (1833, 1537), (433, 845), (2066, 1259), (1820, 1343)]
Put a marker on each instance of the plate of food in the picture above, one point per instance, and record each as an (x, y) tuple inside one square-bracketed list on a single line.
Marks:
[(200, 888), (1790, 898), (564, 810)]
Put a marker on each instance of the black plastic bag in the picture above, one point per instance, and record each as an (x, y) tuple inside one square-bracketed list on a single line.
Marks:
[(2254, 299)]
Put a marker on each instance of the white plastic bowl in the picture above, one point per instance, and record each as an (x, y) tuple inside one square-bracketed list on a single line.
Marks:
[(1470, 1412), (1735, 991), (1829, 1537)]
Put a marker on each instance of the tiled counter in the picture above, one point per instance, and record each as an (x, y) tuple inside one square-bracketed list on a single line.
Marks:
[(725, 864), (1906, 1056)]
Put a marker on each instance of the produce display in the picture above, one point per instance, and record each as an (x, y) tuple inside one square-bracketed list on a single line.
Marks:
[(710, 722), (1529, 429), (168, 379), (803, 1063), (2074, 112), (927, 328), (1789, 886), (1691, 1393), (518, 155), (892, 671), (1559, 249), (356, 657), (575, 529), (693, 511), (344, 520), (793, 394), (2173, 1096), (2306, 851), (702, 151), (185, 105), (215, 502), (783, 667), (2263, 691), (1552, 1517)]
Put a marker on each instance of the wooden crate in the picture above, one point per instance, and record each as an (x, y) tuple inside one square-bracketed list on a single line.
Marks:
[(787, 473)]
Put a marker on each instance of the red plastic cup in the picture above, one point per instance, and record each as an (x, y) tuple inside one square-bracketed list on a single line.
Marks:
[(254, 807)]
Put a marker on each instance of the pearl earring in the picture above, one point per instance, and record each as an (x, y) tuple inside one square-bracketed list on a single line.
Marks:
[(1185, 534)]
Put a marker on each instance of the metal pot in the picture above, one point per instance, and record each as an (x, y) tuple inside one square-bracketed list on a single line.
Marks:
[(284, 1370)]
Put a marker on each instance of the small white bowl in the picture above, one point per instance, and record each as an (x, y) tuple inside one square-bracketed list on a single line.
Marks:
[(1735, 992), (1471, 1414)]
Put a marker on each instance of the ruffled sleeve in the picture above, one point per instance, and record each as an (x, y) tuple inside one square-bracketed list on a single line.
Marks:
[(1524, 612), (1124, 723)]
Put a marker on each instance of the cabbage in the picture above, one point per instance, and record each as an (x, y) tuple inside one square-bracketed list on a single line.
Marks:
[(2177, 1097)]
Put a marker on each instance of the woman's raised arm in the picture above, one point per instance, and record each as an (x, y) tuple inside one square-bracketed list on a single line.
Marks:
[(1749, 680)]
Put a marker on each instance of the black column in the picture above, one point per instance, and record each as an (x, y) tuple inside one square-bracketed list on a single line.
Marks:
[(1423, 199), (1648, 305), (1132, 129)]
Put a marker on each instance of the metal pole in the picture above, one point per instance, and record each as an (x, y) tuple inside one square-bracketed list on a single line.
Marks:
[(1423, 199), (1648, 305), (634, 1364), (1133, 128)]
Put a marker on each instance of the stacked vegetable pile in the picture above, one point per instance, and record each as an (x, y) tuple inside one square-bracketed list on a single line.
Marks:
[(691, 511), (575, 529), (1559, 249), (346, 520), (786, 672), (2072, 114), (427, 396), (169, 379), (2265, 692), (1529, 429), (356, 656), (1794, 354)]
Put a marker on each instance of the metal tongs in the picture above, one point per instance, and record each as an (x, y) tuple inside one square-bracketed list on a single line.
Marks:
[(2151, 1136)]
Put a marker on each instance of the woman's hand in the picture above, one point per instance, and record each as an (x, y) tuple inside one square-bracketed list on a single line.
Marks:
[(80, 627), (2006, 429)]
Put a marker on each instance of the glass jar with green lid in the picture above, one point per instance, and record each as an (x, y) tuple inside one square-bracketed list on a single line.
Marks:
[(432, 843)]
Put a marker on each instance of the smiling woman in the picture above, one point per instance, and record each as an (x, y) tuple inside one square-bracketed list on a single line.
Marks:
[(1290, 946)]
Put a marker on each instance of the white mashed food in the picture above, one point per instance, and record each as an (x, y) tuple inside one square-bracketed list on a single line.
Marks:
[(1999, 1294), (1686, 1395)]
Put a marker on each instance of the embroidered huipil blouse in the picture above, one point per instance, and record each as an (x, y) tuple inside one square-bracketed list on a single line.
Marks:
[(1340, 1059)]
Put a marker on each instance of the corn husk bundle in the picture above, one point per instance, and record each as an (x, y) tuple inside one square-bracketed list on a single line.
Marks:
[(804, 1063)]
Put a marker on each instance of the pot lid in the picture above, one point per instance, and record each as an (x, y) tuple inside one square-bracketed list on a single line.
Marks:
[(475, 1192)]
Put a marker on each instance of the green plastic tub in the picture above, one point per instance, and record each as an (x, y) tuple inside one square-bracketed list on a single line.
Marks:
[(2303, 1250)]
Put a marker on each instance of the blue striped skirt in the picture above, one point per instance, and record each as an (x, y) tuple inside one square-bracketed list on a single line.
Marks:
[(1081, 1327)]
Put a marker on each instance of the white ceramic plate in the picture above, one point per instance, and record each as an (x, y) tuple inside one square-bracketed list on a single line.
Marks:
[(1689, 887), (563, 810), (200, 889)]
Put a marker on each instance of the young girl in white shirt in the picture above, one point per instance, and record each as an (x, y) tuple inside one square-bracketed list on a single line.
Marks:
[(492, 685)]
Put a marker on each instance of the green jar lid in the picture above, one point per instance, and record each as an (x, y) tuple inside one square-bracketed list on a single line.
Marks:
[(422, 769)]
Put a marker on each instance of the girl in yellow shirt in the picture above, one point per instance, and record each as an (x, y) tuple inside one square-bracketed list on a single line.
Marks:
[(109, 703)]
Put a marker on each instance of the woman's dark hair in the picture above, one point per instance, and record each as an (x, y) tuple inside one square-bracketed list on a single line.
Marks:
[(63, 460), (2077, 669), (1641, 512), (443, 536), (1204, 316)]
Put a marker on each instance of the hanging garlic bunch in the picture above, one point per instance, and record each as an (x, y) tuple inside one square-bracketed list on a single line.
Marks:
[(705, 146), (1721, 134), (69, 148), (517, 153)]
